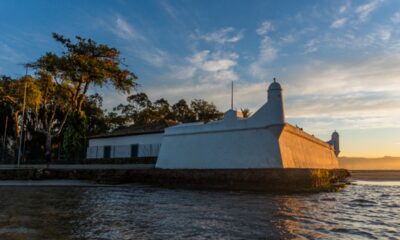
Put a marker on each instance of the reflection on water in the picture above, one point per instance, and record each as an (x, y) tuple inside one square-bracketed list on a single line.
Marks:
[(378, 183), (143, 212)]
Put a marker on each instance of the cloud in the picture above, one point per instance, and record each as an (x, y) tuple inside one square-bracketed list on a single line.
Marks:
[(385, 34), (311, 46), (125, 31), (213, 62), (169, 9), (264, 28), (338, 23), (289, 38), (204, 74), (153, 56), (344, 8), (395, 18), (362, 94), (223, 36), (363, 11), (9, 54), (268, 53)]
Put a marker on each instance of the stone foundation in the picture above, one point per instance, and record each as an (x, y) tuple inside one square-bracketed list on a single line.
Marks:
[(266, 180)]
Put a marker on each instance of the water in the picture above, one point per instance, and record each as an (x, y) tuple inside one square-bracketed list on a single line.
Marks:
[(59, 210)]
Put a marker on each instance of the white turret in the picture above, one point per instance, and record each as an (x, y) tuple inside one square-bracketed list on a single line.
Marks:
[(335, 142), (275, 102)]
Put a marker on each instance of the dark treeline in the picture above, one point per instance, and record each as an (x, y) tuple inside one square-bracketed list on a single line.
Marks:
[(60, 114)]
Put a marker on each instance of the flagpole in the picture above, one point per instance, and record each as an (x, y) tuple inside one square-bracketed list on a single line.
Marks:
[(232, 96)]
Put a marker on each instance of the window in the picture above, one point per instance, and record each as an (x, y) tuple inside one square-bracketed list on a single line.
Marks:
[(107, 151), (134, 150)]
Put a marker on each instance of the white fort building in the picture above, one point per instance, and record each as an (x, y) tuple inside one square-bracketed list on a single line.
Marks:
[(263, 140)]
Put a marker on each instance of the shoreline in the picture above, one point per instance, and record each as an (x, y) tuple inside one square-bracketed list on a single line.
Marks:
[(287, 180), (375, 175)]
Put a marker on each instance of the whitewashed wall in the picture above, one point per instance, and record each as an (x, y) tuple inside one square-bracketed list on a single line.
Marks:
[(301, 150), (252, 148), (149, 146), (228, 143), (127, 140)]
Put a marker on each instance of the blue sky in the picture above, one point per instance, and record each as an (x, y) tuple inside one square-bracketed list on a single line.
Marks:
[(338, 61)]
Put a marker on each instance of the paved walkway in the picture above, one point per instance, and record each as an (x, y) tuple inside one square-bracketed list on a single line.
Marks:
[(79, 166)]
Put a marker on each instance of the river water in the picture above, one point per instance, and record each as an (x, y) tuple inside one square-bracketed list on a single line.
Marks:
[(76, 210)]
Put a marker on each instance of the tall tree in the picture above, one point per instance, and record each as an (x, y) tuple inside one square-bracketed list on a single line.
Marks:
[(12, 92), (182, 112), (54, 109), (83, 64), (205, 111)]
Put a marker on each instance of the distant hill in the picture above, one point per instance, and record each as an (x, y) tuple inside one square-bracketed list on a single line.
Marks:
[(356, 163)]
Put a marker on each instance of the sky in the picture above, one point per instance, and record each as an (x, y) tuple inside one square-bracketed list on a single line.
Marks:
[(337, 61)]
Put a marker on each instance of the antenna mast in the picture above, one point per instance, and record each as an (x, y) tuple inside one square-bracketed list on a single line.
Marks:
[(232, 95)]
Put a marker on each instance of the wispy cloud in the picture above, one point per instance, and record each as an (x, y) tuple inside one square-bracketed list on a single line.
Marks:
[(363, 11), (125, 30), (169, 9), (345, 7), (268, 51), (396, 17), (289, 38), (339, 22), (223, 35), (153, 56), (203, 74), (311, 46), (264, 28), (214, 67), (10, 54), (362, 95)]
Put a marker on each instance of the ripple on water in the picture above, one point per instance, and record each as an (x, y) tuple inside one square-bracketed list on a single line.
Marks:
[(137, 211)]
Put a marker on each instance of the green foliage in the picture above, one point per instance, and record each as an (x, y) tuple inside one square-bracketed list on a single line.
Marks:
[(246, 112), (59, 108), (96, 118), (205, 111), (85, 63), (65, 79), (182, 112), (75, 137), (140, 111)]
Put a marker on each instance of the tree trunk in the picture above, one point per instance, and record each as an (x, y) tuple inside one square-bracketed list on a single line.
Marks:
[(48, 147), (16, 118)]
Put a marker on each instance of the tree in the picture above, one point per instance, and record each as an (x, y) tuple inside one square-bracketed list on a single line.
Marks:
[(83, 64), (138, 111), (246, 112), (54, 109), (205, 111), (6, 115), (162, 109), (12, 92), (182, 112), (96, 118)]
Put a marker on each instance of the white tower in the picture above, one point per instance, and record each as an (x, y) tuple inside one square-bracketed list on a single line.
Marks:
[(275, 102), (335, 142)]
